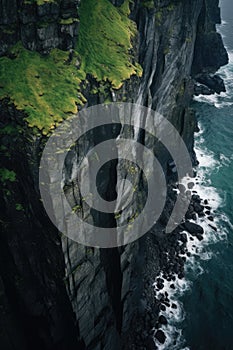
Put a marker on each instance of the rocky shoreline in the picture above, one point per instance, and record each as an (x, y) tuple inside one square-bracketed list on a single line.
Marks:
[(149, 326)]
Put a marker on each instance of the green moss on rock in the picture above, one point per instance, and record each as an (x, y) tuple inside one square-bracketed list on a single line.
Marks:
[(148, 4), (39, 2), (46, 88), (68, 21), (19, 207), (104, 41), (7, 175)]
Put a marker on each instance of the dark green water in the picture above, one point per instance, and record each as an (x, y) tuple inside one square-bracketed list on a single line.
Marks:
[(208, 304)]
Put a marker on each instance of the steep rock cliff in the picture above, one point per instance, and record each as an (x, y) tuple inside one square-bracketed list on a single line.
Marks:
[(41, 25), (55, 293)]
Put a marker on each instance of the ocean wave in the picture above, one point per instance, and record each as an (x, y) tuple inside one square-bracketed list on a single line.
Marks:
[(225, 98), (198, 251), (223, 23), (219, 101), (215, 231), (207, 159), (210, 99)]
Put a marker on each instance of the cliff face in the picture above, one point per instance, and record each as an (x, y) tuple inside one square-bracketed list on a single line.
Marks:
[(55, 293), (41, 25)]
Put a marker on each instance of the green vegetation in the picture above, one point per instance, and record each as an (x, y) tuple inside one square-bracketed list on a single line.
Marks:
[(68, 20), (46, 88), (171, 7), (148, 4), (10, 129), (76, 208), (104, 41), (7, 175), (117, 215), (8, 31), (19, 207), (166, 50), (42, 2), (182, 89), (39, 2), (188, 40), (162, 12), (158, 17), (7, 192)]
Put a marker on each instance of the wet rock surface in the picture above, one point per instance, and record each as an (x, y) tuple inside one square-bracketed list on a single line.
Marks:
[(160, 336), (210, 84), (171, 251)]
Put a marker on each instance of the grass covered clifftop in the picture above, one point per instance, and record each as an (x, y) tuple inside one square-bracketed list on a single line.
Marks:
[(47, 88), (104, 41)]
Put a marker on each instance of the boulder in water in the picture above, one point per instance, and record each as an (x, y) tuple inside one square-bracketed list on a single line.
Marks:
[(214, 228), (199, 237), (160, 336), (190, 185), (198, 208), (162, 307), (212, 82), (183, 237), (200, 89), (162, 320), (192, 228)]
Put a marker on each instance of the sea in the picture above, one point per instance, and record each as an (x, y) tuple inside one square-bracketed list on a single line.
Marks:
[(203, 319)]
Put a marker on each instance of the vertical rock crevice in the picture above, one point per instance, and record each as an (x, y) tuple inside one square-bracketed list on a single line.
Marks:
[(112, 266)]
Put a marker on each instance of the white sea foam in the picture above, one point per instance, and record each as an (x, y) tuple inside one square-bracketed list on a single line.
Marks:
[(174, 316), (223, 23), (214, 230), (225, 98), (199, 249), (211, 99)]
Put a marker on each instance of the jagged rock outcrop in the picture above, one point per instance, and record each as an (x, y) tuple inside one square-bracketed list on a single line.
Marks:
[(213, 82), (210, 53), (57, 294)]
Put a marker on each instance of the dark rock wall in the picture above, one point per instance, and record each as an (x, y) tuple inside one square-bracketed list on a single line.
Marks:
[(54, 293), (35, 311), (210, 53), (39, 27)]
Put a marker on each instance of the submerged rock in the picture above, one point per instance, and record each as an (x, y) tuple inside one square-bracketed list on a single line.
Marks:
[(213, 227), (198, 208), (190, 185), (199, 237)]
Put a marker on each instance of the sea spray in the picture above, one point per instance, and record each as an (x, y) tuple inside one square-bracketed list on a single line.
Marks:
[(197, 251)]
